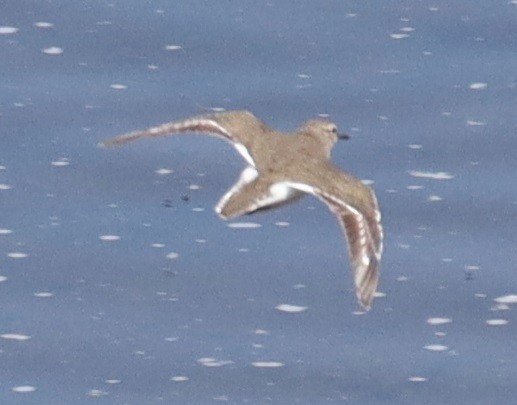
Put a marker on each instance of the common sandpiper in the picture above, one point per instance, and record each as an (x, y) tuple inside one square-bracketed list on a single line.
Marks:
[(281, 168)]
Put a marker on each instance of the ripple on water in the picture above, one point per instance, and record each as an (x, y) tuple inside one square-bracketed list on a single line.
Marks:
[(436, 348), (244, 225), (431, 175), (109, 238), (417, 379), (438, 321), (15, 336), (213, 362), (52, 50), (267, 364), (507, 299), (17, 255), (291, 309), (496, 322), (478, 86), (179, 378), (23, 389), (6, 30)]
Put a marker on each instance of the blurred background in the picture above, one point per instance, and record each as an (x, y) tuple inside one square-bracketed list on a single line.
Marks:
[(120, 285)]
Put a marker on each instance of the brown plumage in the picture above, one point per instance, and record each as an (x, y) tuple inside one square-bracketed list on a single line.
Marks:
[(281, 168)]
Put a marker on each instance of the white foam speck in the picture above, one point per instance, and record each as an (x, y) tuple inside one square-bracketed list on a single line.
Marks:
[(163, 171), (212, 362), (399, 36), (496, 322), (158, 245), (17, 255), (368, 182), (23, 389), (5, 30), (96, 393), (53, 50), (15, 336), (438, 321), (43, 294), (417, 379), (473, 123), (414, 146), (109, 238), (434, 198), (5, 187), (244, 225), (282, 224), (60, 162), (507, 299), (379, 294), (4, 231), (500, 307), (198, 209), (480, 295), (260, 332), (172, 255), (179, 378), (118, 86), (43, 24), (152, 67), (407, 29), (389, 71), (3, 278), (112, 381), (173, 47), (414, 187), (267, 364), (431, 175), (478, 86), (436, 348), (292, 309)]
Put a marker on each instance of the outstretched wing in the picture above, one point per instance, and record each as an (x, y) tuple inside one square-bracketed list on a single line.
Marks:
[(364, 234), (234, 126)]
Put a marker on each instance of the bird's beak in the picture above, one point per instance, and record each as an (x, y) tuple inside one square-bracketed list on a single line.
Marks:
[(343, 137)]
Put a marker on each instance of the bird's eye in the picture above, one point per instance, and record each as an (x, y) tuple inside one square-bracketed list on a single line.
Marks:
[(334, 130)]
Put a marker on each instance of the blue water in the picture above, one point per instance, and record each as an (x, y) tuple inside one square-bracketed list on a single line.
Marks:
[(423, 87)]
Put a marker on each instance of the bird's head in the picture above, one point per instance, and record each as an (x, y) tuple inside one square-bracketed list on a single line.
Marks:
[(324, 130)]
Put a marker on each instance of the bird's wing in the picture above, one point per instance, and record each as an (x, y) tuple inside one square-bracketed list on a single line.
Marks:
[(363, 230), (234, 126)]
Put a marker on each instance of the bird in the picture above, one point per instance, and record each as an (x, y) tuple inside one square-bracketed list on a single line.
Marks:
[(282, 167)]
